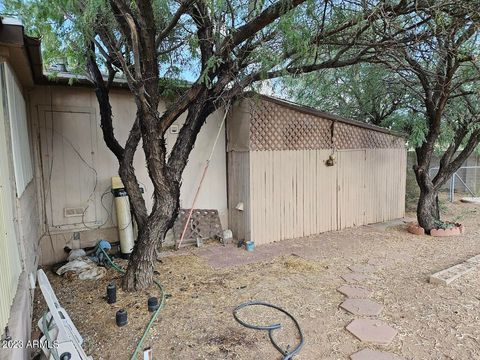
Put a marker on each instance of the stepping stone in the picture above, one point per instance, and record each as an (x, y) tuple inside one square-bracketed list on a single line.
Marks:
[(355, 292), (363, 307), (354, 277), (367, 354), (372, 331), (363, 268)]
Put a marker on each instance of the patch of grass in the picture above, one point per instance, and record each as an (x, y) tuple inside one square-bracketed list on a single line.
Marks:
[(296, 263)]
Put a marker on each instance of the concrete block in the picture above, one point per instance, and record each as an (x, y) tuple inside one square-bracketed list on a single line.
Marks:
[(446, 276), (474, 260)]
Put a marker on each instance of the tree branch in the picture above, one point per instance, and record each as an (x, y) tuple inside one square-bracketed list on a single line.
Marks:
[(102, 93)]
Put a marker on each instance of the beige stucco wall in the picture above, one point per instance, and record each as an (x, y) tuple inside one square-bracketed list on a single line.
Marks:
[(238, 126), (62, 98)]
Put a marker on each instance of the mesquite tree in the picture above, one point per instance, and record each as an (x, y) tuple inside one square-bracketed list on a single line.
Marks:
[(364, 92), (442, 74), (427, 88), (226, 46)]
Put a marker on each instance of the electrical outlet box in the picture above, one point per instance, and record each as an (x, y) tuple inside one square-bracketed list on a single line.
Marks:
[(76, 235)]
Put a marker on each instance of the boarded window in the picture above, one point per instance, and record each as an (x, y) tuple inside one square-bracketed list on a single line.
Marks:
[(16, 113)]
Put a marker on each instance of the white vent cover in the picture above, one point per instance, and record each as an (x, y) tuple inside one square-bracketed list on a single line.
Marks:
[(73, 212)]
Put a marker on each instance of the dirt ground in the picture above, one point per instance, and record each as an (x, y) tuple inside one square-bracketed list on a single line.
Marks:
[(433, 322)]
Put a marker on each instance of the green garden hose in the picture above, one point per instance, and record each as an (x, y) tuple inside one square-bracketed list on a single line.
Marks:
[(155, 314), (287, 355), (45, 326)]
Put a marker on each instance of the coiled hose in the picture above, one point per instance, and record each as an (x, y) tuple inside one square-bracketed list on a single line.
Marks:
[(287, 355)]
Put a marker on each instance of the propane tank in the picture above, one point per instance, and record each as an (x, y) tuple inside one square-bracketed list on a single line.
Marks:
[(124, 217)]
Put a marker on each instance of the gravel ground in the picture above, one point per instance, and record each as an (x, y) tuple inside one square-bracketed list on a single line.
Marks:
[(433, 322)]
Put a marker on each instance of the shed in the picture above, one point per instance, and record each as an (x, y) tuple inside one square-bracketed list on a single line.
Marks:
[(294, 171)]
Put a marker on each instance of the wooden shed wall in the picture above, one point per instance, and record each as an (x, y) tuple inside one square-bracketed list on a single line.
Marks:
[(284, 184), (239, 192), (371, 186), (293, 194)]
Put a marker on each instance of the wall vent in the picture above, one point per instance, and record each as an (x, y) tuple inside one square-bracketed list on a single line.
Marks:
[(73, 212)]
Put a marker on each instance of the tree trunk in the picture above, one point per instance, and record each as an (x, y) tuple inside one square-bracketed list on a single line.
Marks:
[(166, 200), (140, 269), (428, 213), (166, 180)]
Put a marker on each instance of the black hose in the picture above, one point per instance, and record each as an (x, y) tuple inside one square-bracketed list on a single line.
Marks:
[(287, 355)]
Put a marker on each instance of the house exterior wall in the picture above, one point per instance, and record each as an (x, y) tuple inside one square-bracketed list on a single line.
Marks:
[(10, 261), (290, 192), (19, 217), (67, 123)]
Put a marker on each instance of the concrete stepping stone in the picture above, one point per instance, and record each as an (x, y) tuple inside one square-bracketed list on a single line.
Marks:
[(354, 277), (372, 331), (363, 268), (367, 354), (364, 307), (355, 292)]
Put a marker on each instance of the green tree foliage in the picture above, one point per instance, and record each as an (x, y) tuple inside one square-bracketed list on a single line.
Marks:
[(363, 92)]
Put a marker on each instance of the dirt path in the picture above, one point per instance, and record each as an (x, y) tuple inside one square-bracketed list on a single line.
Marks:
[(302, 276)]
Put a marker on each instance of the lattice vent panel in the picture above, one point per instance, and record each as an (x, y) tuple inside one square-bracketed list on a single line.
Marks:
[(276, 127), (354, 137)]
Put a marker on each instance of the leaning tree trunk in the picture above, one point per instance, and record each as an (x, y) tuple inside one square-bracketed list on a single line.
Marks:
[(140, 269), (166, 180), (166, 196), (428, 213)]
